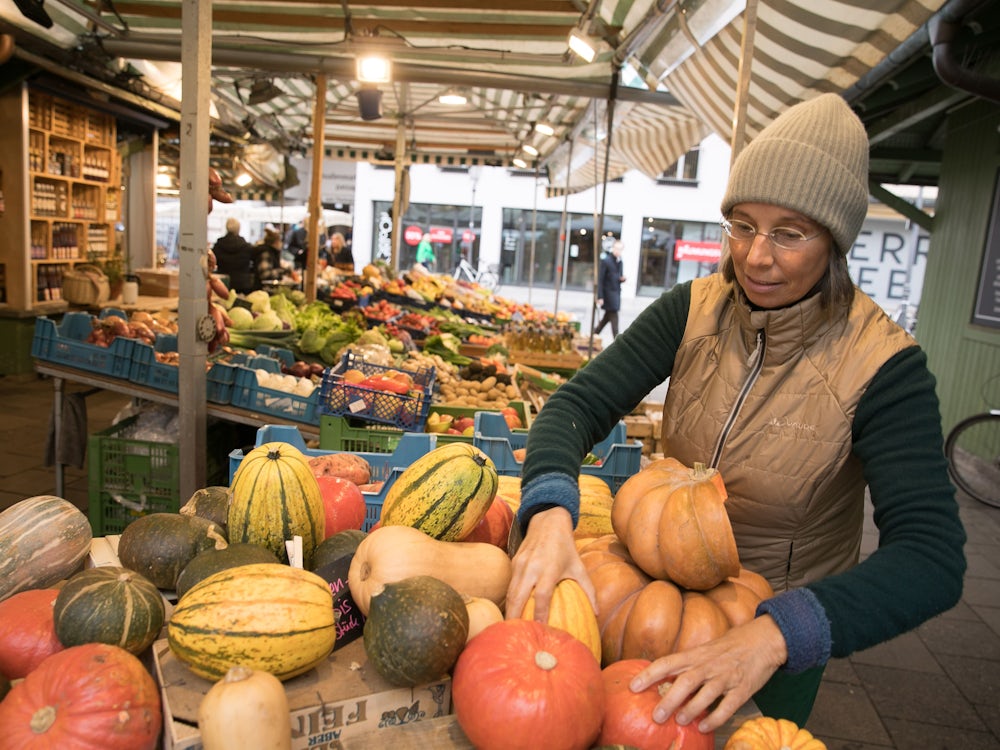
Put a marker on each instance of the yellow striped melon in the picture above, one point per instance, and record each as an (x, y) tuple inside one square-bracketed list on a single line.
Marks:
[(276, 497), (444, 493), (268, 617)]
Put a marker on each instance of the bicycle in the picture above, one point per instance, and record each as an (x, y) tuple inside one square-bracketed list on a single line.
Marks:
[(488, 279), (973, 452)]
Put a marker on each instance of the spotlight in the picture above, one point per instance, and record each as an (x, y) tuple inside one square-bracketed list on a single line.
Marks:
[(520, 163), (263, 90), (453, 99), (374, 69), (529, 149), (370, 103), (544, 128), (243, 179), (582, 45)]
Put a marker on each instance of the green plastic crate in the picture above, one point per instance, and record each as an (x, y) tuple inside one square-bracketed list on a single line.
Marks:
[(129, 478), (356, 436)]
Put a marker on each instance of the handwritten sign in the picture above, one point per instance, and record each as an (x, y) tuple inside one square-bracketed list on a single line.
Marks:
[(350, 621)]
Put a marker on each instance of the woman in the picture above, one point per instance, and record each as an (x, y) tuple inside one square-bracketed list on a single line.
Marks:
[(340, 253), (801, 391)]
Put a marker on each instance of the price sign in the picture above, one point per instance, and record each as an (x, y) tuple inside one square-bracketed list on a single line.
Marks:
[(350, 621)]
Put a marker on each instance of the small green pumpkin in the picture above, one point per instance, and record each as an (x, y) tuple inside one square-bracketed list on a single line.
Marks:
[(415, 631), (211, 503), (342, 544), (211, 561), (160, 545), (110, 605)]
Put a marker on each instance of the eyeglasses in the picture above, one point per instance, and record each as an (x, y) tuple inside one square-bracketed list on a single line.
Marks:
[(784, 237)]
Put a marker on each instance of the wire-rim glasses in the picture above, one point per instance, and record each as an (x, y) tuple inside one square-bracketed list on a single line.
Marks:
[(784, 237)]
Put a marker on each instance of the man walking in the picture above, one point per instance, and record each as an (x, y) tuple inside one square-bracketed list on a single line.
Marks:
[(609, 287)]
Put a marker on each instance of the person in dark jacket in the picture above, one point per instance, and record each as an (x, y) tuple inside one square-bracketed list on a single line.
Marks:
[(609, 287), (267, 258), (340, 253), (234, 256), (296, 244)]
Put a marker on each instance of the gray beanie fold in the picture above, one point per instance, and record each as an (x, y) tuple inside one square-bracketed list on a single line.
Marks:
[(812, 159)]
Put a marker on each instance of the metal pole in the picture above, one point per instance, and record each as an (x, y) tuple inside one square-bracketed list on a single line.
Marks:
[(559, 257), (534, 227), (604, 196)]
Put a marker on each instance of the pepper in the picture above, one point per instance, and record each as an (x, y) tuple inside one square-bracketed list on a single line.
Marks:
[(383, 383)]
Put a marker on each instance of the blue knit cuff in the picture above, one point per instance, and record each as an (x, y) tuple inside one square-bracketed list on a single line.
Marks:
[(805, 626), (549, 491)]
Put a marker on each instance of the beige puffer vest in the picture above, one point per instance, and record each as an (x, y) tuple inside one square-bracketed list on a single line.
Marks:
[(768, 397)]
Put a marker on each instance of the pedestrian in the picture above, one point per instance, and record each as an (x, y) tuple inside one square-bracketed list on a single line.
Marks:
[(267, 259), (802, 392), (296, 244), (234, 256), (341, 254), (610, 276), (425, 252)]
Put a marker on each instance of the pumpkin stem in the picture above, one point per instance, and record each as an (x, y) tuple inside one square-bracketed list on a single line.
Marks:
[(238, 673), (545, 660), (274, 454), (698, 470), (42, 719)]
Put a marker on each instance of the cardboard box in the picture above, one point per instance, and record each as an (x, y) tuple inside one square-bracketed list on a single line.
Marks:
[(638, 426), (159, 282), (342, 697)]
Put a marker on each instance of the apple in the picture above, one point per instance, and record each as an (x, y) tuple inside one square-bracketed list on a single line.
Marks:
[(463, 423), (343, 504), (439, 422), (512, 418)]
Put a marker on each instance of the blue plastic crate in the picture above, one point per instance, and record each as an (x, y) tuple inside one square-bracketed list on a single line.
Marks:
[(66, 344), (248, 394), (407, 412), (147, 371), (619, 458), (385, 467)]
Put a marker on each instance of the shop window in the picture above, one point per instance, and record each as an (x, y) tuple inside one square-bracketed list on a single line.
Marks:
[(684, 171), (454, 230), (675, 251)]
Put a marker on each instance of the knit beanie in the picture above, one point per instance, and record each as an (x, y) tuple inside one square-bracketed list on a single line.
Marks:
[(812, 159)]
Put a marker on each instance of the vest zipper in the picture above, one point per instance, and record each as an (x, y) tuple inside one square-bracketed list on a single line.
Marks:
[(756, 363)]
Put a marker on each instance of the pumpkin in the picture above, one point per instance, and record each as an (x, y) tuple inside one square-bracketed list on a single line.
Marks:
[(276, 497), (342, 544), (628, 716), (42, 540), (90, 697), (570, 610), (354, 469), (210, 503), (521, 684), (594, 513), (494, 528), (765, 733), (109, 605), (344, 506), (392, 553), (642, 618), (160, 545), (210, 561), (4, 686), (27, 631), (415, 630), (246, 708), (673, 521), (264, 616), (482, 614), (445, 493)]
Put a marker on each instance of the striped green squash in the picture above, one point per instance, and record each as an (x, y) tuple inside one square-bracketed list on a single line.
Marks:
[(43, 539), (276, 497), (444, 493), (272, 618), (110, 605)]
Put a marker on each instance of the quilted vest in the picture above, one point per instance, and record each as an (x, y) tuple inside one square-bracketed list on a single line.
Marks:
[(768, 397)]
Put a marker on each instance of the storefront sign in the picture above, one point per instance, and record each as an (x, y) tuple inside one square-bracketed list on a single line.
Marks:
[(700, 252), (442, 234), (412, 235), (468, 235)]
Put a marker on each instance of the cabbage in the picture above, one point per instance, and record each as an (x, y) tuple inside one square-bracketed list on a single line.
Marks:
[(268, 321), (260, 300), (241, 317)]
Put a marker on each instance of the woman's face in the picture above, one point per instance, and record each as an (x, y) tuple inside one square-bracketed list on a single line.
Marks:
[(773, 276)]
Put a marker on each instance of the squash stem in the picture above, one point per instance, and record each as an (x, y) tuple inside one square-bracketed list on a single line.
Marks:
[(43, 719), (545, 660)]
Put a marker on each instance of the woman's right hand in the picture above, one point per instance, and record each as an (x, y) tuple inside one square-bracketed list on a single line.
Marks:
[(546, 556)]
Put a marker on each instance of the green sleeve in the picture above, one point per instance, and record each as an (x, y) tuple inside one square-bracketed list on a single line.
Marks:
[(583, 411), (917, 570)]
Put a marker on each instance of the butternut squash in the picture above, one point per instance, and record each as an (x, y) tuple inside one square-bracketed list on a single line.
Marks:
[(246, 708), (392, 553), (482, 614)]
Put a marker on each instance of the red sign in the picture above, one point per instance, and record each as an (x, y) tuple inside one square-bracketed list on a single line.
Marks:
[(442, 234), (468, 235), (702, 252), (412, 235)]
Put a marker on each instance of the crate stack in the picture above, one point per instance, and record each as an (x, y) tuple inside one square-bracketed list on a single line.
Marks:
[(645, 425)]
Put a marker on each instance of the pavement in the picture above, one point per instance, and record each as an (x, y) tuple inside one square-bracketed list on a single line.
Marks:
[(937, 687)]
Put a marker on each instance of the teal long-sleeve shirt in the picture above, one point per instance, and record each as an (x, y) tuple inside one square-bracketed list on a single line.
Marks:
[(917, 570)]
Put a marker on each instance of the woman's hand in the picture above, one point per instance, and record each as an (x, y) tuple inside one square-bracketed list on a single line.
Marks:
[(546, 556), (732, 667)]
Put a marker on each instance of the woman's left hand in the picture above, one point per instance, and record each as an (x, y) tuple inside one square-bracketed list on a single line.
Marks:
[(732, 667)]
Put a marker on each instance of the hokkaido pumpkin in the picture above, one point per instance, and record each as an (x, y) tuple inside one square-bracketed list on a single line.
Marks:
[(392, 553), (445, 493), (246, 708), (27, 631), (494, 528), (643, 618), (570, 610), (90, 697), (42, 540), (522, 685), (276, 497), (673, 521), (765, 733), (628, 716)]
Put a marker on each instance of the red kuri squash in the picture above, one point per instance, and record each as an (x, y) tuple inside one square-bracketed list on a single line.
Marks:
[(27, 631)]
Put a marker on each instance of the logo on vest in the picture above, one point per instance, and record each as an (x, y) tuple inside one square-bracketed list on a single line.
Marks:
[(788, 426)]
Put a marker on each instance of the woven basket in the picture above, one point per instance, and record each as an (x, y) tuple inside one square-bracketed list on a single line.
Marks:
[(86, 285)]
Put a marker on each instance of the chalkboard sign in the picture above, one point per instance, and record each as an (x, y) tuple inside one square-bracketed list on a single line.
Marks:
[(350, 621), (987, 312)]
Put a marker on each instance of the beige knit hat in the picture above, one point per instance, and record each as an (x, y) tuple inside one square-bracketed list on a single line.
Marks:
[(812, 159)]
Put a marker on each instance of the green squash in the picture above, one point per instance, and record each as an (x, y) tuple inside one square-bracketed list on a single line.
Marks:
[(211, 561), (211, 503), (342, 544), (160, 545), (415, 631), (109, 605)]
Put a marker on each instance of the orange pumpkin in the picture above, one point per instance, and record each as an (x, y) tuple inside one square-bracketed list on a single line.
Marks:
[(673, 521), (765, 733), (643, 618), (570, 610)]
